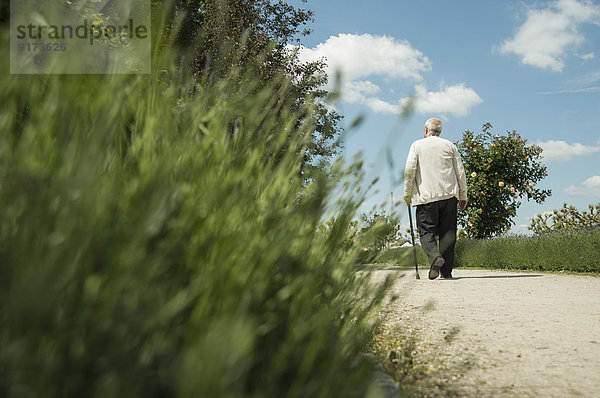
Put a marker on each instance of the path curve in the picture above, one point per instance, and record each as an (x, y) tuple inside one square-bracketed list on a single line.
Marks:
[(528, 334)]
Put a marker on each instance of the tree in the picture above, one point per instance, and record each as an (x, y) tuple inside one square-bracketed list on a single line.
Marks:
[(565, 219), (501, 171), (216, 36), (221, 31), (378, 230)]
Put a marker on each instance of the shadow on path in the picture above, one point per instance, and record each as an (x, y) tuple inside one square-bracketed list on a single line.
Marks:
[(383, 267), (498, 276)]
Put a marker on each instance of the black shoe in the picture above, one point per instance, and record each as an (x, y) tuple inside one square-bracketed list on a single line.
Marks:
[(434, 271)]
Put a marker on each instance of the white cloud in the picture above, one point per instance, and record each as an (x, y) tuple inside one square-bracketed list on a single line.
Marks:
[(586, 79), (590, 187), (380, 106), (588, 56), (457, 100), (573, 90), (548, 34), (561, 151), (587, 83), (357, 91), (362, 58), (359, 56)]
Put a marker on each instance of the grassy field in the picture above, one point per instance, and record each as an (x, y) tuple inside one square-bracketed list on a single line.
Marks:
[(574, 251)]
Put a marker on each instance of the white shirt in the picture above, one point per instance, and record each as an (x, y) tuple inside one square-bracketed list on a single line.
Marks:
[(434, 171)]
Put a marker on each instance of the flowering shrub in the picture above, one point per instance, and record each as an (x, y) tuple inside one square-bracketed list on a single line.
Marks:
[(565, 219), (501, 171)]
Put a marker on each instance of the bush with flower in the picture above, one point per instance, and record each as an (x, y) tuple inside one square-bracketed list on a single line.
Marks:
[(568, 218), (501, 171)]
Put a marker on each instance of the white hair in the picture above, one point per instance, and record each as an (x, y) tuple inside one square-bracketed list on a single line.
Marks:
[(434, 125)]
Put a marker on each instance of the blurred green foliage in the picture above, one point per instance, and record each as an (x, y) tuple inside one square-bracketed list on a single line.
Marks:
[(575, 250), (159, 243)]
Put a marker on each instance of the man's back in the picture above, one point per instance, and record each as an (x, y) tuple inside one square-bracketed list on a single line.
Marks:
[(435, 168)]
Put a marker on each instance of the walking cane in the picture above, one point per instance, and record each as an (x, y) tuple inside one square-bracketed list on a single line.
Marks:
[(412, 235)]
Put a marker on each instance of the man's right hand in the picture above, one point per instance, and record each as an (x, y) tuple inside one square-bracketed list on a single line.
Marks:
[(462, 204)]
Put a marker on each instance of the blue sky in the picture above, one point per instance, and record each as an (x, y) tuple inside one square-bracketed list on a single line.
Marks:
[(530, 66)]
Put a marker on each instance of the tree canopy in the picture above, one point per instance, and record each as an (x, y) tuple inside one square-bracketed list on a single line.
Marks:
[(215, 37)]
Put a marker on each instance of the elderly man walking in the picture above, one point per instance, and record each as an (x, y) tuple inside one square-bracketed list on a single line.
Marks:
[(435, 182)]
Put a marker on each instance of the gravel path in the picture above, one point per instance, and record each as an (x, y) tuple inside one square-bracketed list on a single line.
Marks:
[(503, 334)]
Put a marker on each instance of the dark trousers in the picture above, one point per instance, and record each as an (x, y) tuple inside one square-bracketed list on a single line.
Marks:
[(436, 223)]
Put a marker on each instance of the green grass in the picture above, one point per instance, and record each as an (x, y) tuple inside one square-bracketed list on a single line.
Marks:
[(573, 251), (151, 244)]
